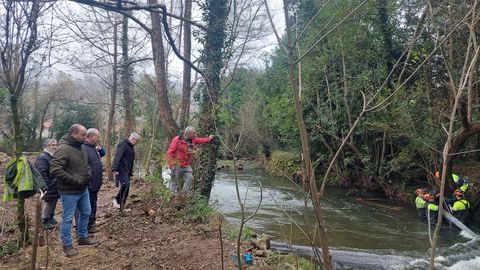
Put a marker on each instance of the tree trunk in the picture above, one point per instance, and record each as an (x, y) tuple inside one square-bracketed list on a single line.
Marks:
[(213, 61), (111, 111), (458, 141), (17, 128), (38, 223), (187, 70), (165, 110), (18, 137), (346, 94), (309, 172), (386, 35), (126, 78), (32, 138), (42, 120)]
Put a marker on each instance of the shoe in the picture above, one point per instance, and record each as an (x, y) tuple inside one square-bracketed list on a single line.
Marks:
[(53, 220), (93, 230), (115, 204), (69, 251), (86, 242), (47, 224)]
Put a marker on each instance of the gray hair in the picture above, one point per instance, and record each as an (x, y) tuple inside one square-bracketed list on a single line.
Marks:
[(48, 142), (189, 129), (134, 135), (92, 131)]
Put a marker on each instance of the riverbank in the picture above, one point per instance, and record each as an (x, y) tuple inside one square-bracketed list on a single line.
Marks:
[(288, 165), (152, 233)]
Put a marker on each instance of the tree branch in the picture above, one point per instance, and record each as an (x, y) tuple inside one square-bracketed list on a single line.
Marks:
[(113, 8), (172, 42), (135, 6)]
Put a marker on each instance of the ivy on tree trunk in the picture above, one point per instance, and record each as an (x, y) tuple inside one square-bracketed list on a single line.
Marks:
[(215, 14)]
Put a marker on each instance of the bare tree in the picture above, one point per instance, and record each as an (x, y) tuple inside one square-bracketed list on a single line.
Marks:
[(461, 70), (456, 63), (97, 32), (126, 78), (20, 40), (309, 174), (212, 61), (187, 70), (159, 60)]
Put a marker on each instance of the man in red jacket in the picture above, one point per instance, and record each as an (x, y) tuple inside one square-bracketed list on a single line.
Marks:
[(179, 156)]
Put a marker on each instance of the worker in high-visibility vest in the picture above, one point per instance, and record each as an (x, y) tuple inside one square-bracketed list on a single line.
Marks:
[(461, 206), (420, 203), (461, 182), (431, 208)]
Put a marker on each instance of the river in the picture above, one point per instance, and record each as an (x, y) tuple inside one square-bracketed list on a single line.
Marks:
[(362, 234)]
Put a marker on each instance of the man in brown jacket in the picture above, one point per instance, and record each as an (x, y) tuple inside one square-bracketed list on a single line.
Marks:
[(69, 166)]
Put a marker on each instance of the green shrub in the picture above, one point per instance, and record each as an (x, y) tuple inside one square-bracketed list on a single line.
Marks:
[(282, 164), (196, 209), (291, 261), (248, 234), (8, 248), (159, 189)]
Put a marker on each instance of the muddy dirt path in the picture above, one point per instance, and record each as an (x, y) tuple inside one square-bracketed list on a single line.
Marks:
[(148, 236)]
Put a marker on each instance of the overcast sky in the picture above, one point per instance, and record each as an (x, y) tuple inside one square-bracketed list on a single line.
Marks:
[(266, 44)]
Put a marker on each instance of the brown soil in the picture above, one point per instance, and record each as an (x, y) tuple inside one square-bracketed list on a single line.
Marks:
[(148, 236)]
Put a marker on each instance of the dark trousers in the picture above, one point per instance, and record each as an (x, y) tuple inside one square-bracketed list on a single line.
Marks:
[(93, 205), (93, 214), (124, 181)]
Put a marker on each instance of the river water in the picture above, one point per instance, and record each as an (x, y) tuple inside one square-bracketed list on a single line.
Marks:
[(362, 234)]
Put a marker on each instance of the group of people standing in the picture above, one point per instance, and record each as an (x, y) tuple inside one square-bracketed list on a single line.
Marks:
[(458, 205), (73, 171)]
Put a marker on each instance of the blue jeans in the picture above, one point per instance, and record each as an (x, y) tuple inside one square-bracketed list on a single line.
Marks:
[(93, 207), (70, 202)]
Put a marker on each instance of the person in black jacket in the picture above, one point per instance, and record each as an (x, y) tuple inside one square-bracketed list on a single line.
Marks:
[(93, 150), (51, 196), (122, 168)]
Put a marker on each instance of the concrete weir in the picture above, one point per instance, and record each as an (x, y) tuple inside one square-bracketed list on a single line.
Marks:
[(349, 258), (365, 259)]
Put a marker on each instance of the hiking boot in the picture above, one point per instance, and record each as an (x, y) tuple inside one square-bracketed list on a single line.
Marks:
[(115, 203), (87, 242), (93, 230), (69, 251), (53, 220), (173, 199), (47, 224)]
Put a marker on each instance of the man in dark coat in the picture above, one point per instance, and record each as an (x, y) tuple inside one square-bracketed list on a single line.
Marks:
[(51, 196), (122, 168), (73, 176), (92, 148)]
